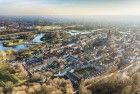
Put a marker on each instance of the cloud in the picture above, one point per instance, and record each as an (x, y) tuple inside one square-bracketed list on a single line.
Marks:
[(71, 7)]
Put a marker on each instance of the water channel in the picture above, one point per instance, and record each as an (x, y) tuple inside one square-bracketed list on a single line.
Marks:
[(36, 39)]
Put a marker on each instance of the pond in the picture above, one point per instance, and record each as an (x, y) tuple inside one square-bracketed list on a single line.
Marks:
[(24, 46), (78, 32), (38, 37), (16, 48)]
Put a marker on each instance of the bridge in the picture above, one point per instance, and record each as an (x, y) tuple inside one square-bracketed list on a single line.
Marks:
[(31, 43)]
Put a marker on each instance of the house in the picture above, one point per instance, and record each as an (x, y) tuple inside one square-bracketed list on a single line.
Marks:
[(73, 77), (71, 59)]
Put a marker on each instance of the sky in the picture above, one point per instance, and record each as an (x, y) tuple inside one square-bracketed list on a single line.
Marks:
[(69, 7)]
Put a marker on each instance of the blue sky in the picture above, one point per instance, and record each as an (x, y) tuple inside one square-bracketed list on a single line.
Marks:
[(69, 7)]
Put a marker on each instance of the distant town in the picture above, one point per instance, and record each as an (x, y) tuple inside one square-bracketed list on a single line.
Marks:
[(72, 51)]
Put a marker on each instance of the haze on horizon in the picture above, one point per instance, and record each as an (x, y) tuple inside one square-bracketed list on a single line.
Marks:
[(69, 7)]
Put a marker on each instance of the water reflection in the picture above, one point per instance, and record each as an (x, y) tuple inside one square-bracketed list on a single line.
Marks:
[(16, 48), (38, 37), (22, 46)]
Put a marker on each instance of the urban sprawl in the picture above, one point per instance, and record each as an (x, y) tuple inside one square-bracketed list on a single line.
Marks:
[(74, 52)]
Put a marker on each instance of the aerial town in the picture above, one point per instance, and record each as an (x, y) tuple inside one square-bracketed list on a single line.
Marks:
[(43, 57)]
